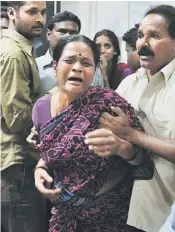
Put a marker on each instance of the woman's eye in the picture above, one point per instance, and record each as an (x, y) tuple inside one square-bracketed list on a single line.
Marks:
[(107, 46), (87, 64), (68, 61)]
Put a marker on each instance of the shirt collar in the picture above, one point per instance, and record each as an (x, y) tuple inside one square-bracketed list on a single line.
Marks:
[(47, 59), (24, 43), (166, 72)]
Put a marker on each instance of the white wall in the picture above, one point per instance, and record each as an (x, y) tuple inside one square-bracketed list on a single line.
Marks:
[(118, 16)]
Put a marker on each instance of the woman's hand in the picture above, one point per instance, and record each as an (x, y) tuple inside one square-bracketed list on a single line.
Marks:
[(104, 66), (43, 183), (33, 138), (103, 142)]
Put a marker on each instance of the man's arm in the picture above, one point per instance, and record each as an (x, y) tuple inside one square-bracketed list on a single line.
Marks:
[(15, 94), (120, 126), (162, 147)]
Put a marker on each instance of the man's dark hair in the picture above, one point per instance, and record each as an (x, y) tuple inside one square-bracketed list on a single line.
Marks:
[(130, 37), (4, 14), (168, 12), (58, 50), (63, 16), (16, 4)]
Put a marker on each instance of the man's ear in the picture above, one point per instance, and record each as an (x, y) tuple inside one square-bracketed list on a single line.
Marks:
[(11, 13), (48, 34)]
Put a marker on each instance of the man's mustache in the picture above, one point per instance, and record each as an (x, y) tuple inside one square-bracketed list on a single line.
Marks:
[(145, 51), (38, 25)]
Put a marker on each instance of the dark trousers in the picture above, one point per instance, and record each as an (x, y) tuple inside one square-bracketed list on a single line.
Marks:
[(22, 206)]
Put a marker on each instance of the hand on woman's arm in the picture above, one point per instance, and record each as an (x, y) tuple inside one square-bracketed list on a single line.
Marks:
[(162, 147), (43, 181), (104, 143)]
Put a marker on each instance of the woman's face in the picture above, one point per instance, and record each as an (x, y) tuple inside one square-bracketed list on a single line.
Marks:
[(75, 68), (105, 47)]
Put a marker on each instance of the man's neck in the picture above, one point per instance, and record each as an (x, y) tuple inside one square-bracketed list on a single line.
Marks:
[(13, 29), (51, 52)]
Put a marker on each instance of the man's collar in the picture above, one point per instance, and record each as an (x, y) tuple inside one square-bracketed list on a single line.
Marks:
[(47, 59), (166, 72), (24, 43)]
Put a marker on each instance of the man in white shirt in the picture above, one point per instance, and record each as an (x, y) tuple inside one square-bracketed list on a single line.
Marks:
[(62, 24), (151, 91)]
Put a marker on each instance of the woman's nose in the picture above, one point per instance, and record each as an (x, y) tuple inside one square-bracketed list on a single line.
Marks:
[(77, 67)]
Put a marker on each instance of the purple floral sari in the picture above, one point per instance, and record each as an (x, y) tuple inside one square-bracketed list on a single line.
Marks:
[(80, 171)]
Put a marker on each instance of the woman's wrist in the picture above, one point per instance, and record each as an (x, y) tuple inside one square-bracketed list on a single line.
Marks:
[(41, 167), (41, 164), (127, 151)]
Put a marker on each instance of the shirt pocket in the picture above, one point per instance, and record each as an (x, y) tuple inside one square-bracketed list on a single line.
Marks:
[(163, 123)]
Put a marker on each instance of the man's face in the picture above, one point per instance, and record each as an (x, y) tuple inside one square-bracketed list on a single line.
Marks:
[(154, 45), (61, 29), (29, 19), (133, 58), (4, 23)]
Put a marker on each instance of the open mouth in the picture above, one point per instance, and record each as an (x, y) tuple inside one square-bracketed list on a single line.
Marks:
[(75, 79)]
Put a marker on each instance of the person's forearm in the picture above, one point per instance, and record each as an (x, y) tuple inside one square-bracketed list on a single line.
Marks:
[(41, 163), (127, 152), (105, 78), (106, 83), (162, 147)]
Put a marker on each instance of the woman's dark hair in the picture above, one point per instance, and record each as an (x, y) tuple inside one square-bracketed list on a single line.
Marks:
[(58, 50), (168, 12), (113, 76)]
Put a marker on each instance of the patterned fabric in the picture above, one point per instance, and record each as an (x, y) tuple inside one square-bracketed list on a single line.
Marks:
[(62, 141), (20, 88), (106, 213), (81, 171)]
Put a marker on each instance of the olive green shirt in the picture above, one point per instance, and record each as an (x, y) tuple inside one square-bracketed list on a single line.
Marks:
[(20, 88)]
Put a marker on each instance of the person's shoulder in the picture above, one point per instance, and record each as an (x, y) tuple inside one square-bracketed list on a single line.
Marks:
[(43, 99), (42, 102), (10, 49)]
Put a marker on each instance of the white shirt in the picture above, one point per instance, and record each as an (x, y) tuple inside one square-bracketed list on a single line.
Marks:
[(154, 103), (44, 63)]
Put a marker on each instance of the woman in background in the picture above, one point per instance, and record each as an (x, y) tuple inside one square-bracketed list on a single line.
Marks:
[(109, 72)]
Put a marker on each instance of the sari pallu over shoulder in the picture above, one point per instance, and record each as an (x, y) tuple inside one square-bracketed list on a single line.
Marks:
[(62, 141)]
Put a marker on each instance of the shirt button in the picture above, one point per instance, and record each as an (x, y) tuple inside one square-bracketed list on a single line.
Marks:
[(137, 189)]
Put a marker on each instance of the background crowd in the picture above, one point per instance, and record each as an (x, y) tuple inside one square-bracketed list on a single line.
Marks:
[(89, 133)]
